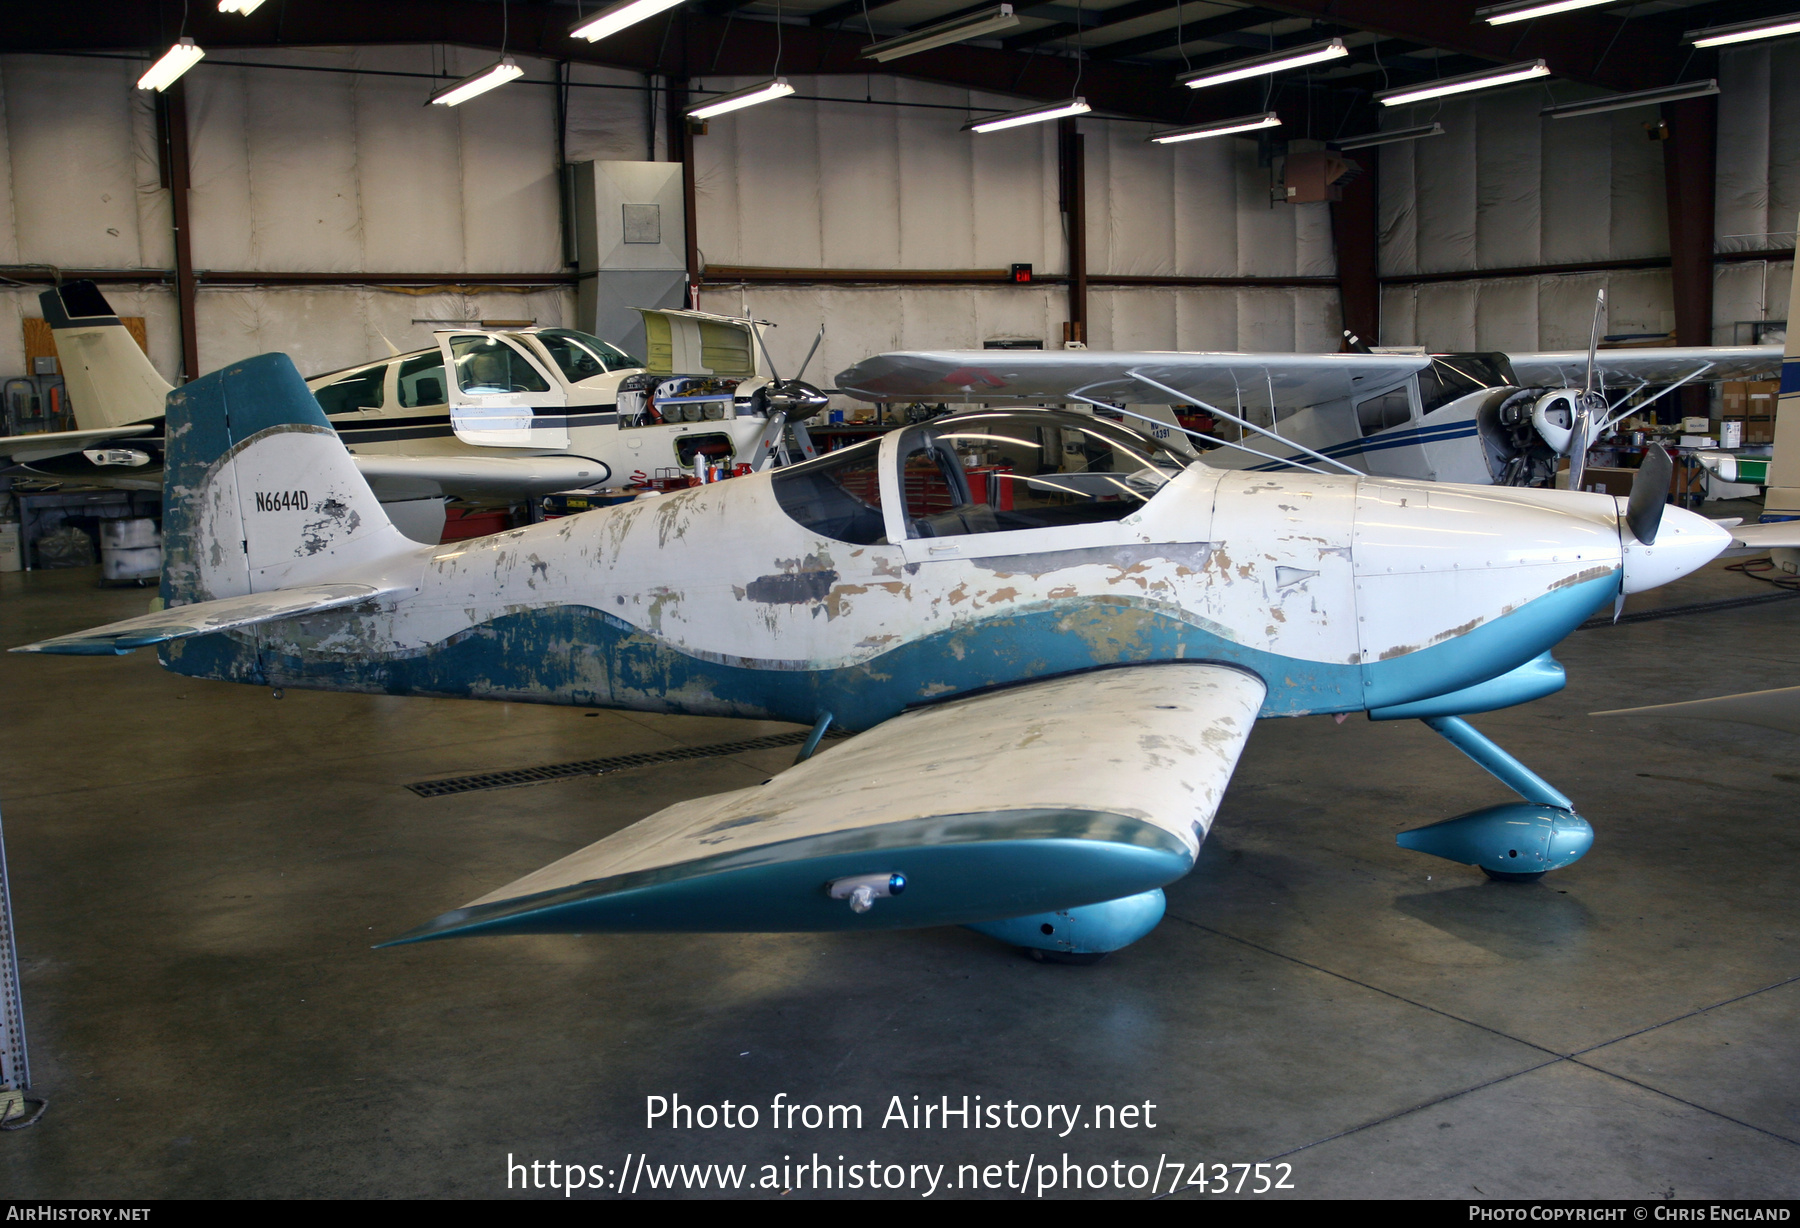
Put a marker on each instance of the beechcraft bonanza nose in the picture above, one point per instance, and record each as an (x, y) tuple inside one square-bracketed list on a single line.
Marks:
[(1504, 419), (483, 414), (1052, 634)]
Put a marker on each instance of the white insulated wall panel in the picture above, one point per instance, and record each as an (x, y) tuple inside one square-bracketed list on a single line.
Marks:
[(1759, 147), (76, 165), (1508, 164), (1577, 179), (324, 328), (1524, 313), (608, 125), (327, 172), (802, 183)]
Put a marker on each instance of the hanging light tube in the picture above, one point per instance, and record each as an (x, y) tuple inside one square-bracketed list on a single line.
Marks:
[(1744, 31), (175, 61), (1262, 65), (1501, 14), (615, 17), (241, 7), (749, 96), (1030, 115), (491, 77), (1487, 78), (987, 21), (1640, 98), (1224, 127), (1388, 137)]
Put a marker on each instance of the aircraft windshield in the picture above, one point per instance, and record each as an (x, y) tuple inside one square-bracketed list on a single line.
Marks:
[(991, 472), (838, 495), (583, 355), (1451, 376)]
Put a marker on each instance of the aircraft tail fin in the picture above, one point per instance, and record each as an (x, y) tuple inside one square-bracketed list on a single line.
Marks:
[(259, 493), (109, 378)]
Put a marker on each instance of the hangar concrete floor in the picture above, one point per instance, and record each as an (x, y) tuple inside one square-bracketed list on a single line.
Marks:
[(200, 871)]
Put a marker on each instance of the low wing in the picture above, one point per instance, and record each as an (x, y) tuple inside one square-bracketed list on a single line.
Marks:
[(476, 477), (1656, 366), (206, 617), (1291, 381), (1049, 795), (24, 449), (1777, 535), (1777, 709)]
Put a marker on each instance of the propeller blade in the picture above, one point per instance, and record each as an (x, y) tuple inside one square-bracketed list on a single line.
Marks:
[(773, 373), (810, 353), (1594, 341), (1578, 445), (1649, 495)]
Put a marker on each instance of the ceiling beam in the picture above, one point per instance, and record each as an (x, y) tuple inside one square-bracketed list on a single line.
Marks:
[(697, 44), (1600, 49), (842, 12), (1180, 36), (1223, 23)]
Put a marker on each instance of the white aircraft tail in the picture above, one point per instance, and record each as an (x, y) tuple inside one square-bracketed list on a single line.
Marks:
[(259, 493), (1783, 495), (110, 380)]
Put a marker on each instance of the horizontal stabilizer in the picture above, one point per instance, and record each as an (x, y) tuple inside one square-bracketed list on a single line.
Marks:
[(24, 449), (1051, 795), (206, 617), (476, 477)]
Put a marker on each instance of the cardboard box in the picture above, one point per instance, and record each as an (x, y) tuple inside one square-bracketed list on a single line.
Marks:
[(1608, 481)]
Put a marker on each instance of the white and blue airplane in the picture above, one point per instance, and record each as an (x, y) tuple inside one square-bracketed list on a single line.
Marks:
[(1477, 419), (1051, 634)]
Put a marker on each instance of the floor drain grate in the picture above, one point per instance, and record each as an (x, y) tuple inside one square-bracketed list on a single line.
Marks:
[(599, 767)]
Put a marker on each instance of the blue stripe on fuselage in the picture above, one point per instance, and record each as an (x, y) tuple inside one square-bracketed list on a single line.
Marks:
[(587, 658)]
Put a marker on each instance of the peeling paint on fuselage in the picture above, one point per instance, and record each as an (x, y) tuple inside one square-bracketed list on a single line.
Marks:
[(663, 605)]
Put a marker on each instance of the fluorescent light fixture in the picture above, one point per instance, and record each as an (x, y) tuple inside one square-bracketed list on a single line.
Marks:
[(1223, 127), (1640, 98), (176, 60), (242, 7), (1501, 14), (1261, 65), (1487, 78), (749, 96), (1744, 31), (615, 17), (491, 77), (1388, 136), (1030, 115), (987, 21)]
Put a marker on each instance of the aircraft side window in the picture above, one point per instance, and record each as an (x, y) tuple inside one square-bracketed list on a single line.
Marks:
[(838, 495), (989, 473), (422, 380), (358, 390), (1390, 409), (489, 365)]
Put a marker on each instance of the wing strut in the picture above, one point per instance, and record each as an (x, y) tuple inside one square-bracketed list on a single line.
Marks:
[(1141, 378), (1242, 447)]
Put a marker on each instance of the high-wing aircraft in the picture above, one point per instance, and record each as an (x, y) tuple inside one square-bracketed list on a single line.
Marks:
[(1053, 635), (1504, 419), (528, 411)]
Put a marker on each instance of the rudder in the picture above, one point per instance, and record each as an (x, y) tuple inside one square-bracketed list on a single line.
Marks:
[(110, 380), (259, 492)]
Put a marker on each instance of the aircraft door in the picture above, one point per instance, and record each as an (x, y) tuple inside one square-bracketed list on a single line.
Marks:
[(1388, 422), (501, 397)]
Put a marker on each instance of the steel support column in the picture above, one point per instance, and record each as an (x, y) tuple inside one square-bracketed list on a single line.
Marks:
[(176, 133), (1355, 230), (1072, 168), (1690, 164), (681, 147)]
